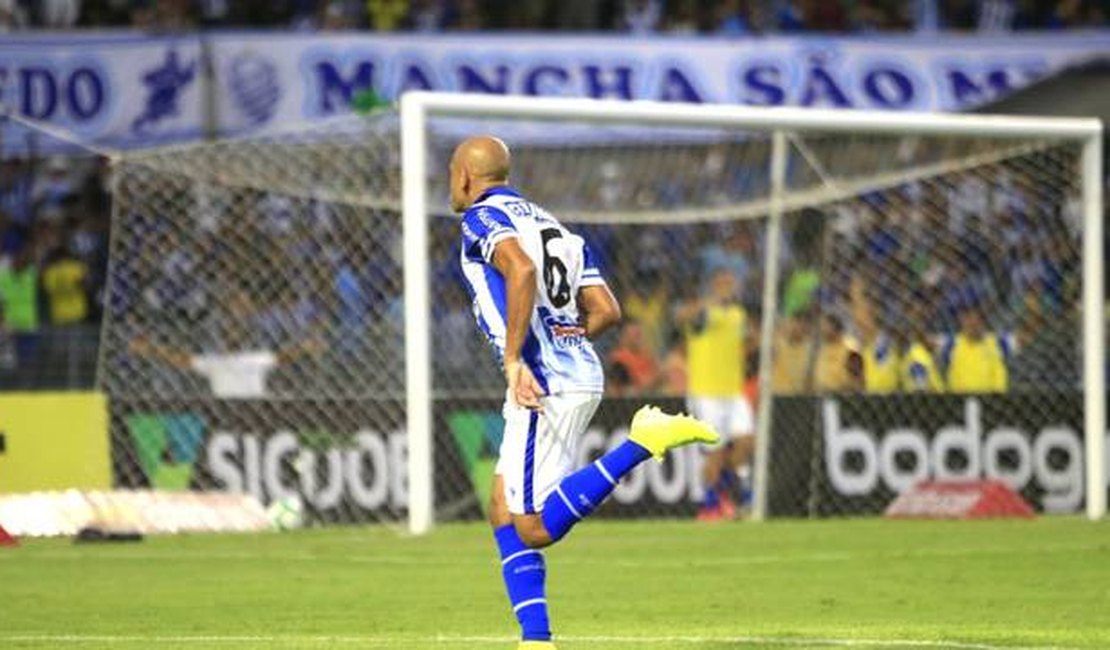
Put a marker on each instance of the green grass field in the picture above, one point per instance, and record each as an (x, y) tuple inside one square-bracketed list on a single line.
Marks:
[(868, 583)]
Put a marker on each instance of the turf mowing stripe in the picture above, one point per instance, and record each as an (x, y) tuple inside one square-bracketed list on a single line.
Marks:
[(406, 560), (369, 640)]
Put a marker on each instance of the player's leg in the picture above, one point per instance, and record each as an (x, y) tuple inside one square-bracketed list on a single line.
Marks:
[(577, 495), (742, 424), (737, 420), (551, 458), (737, 454), (715, 469), (715, 462), (522, 568), (741, 451)]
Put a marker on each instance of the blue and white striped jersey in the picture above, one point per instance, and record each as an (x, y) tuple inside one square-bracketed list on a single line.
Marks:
[(564, 264)]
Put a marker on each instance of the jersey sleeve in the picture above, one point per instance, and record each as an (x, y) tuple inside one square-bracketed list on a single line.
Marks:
[(591, 274), (483, 228)]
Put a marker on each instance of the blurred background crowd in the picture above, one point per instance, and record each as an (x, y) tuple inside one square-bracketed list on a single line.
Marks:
[(317, 284), (859, 275), (54, 220), (729, 17)]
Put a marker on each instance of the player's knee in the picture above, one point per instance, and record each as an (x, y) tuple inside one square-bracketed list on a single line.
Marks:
[(535, 538), (532, 531), (713, 461), (743, 447)]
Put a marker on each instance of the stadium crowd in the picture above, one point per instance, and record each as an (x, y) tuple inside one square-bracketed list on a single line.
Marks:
[(54, 217), (726, 17), (880, 293), (882, 308), (871, 285)]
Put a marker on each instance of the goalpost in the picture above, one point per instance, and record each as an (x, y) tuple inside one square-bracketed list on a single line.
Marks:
[(879, 165), (283, 315)]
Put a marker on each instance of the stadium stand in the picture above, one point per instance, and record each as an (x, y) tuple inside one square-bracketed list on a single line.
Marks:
[(729, 18)]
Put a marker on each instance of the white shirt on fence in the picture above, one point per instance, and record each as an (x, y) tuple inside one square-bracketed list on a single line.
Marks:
[(236, 374)]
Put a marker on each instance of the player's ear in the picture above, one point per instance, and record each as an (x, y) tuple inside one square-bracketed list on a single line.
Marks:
[(464, 178)]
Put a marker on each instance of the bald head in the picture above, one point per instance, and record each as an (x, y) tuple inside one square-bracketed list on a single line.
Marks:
[(485, 157), (478, 163)]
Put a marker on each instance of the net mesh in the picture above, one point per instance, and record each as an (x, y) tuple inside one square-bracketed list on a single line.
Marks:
[(254, 332), (935, 318), (254, 336)]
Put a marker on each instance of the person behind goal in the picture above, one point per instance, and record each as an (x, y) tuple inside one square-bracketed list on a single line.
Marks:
[(716, 327), (540, 299)]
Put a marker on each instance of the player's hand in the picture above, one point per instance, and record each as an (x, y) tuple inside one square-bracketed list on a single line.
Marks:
[(523, 387)]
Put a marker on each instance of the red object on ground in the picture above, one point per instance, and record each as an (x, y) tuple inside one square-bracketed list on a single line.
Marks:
[(6, 539), (960, 500)]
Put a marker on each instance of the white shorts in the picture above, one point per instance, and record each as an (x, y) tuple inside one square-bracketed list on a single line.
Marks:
[(539, 449), (729, 416)]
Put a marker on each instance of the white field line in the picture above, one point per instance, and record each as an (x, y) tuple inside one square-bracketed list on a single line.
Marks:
[(445, 640), (418, 560)]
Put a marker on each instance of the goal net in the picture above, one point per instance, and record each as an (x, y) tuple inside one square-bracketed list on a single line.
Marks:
[(286, 317)]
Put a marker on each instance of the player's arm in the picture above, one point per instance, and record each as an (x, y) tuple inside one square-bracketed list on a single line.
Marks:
[(863, 314), (142, 347), (520, 297), (520, 293), (600, 309), (597, 306), (689, 312), (310, 347)]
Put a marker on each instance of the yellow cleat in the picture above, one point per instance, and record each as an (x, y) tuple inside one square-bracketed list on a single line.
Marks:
[(659, 432), (536, 645)]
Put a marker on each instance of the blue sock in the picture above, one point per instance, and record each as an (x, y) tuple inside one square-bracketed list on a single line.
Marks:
[(727, 480), (723, 487), (712, 499), (583, 491), (524, 572)]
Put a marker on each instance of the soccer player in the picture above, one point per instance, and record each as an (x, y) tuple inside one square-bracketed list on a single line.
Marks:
[(716, 328), (539, 298)]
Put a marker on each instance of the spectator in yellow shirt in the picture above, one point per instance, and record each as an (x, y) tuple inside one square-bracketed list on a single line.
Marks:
[(918, 371), (64, 280), (838, 367), (880, 353), (716, 336), (648, 304), (975, 358), (793, 356)]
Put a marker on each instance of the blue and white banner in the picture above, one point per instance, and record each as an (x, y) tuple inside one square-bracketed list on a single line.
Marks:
[(126, 89), (117, 90), (268, 79)]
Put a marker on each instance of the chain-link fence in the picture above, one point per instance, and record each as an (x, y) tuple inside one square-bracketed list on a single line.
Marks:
[(254, 338), (931, 324)]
